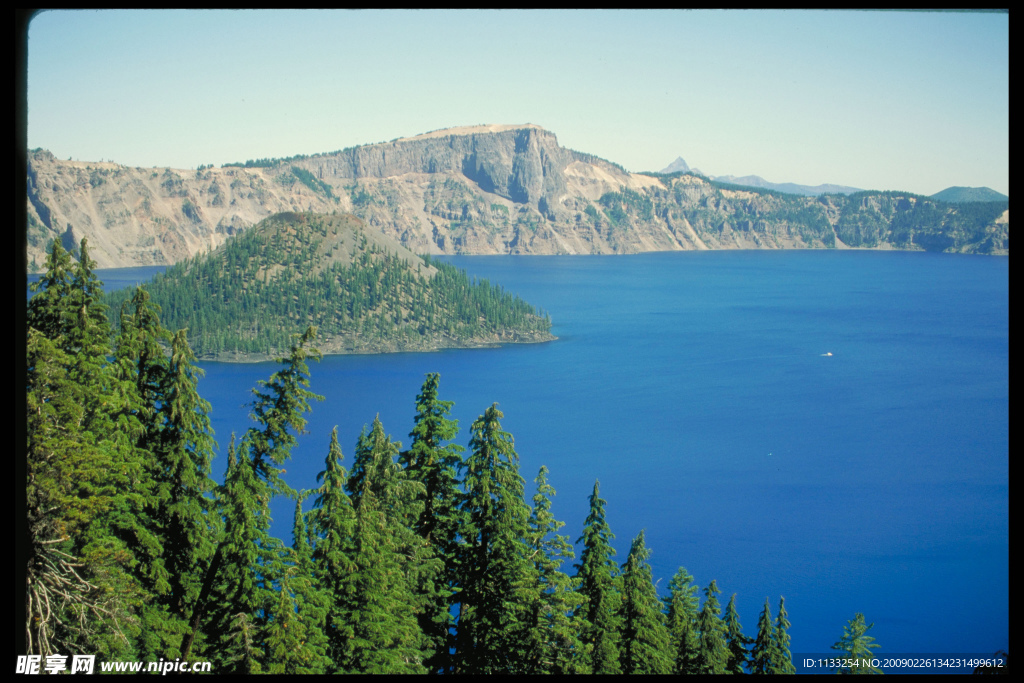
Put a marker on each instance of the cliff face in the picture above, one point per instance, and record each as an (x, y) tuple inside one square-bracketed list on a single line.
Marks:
[(476, 190)]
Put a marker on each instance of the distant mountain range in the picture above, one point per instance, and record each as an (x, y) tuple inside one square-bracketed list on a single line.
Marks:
[(680, 166), (954, 194), (494, 189)]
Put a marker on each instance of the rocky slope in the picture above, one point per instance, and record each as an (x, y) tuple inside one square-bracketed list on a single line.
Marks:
[(474, 190)]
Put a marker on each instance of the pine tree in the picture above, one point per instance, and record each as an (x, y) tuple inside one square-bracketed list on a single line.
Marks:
[(856, 646), (388, 555), (434, 464), (177, 443), (681, 605), (646, 642), (279, 407), (90, 549), (70, 598), (386, 638), (186, 451), (712, 654), (49, 309), (140, 366), (600, 585), (251, 564), (332, 525), (739, 656), (764, 653), (555, 645), (296, 643), (242, 590), (493, 569), (374, 469), (784, 660)]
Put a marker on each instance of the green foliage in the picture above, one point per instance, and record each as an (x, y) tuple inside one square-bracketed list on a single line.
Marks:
[(296, 643), (92, 557), (252, 559), (784, 660), (681, 606), (386, 637), (267, 162), (332, 528), (360, 197), (856, 646), (493, 570), (262, 287), (712, 652), (556, 621), (313, 183), (764, 654), (646, 642), (600, 584), (434, 464), (619, 206), (739, 656)]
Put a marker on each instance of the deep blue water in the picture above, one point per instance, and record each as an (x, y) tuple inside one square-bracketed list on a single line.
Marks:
[(693, 385)]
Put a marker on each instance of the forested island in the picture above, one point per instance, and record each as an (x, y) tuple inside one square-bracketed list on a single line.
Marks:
[(429, 559), (364, 292)]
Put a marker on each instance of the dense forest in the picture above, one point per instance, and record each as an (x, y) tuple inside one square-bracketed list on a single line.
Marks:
[(362, 292), (431, 559)]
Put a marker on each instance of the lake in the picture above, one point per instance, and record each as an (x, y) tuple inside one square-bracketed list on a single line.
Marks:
[(697, 387)]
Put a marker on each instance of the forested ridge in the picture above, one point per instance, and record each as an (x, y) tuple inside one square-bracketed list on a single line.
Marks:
[(363, 292), (431, 559)]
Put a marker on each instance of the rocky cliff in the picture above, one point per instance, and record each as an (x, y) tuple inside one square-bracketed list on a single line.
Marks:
[(473, 190)]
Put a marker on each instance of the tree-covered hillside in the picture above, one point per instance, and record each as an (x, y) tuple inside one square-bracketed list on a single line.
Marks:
[(958, 195), (364, 292)]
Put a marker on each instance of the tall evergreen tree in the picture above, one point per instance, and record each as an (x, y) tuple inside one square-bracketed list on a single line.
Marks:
[(86, 473), (434, 463), (176, 444), (71, 601), (646, 642), (49, 309), (556, 619), (251, 563), (764, 653), (784, 661), (681, 606), (296, 643), (712, 655), (186, 452), (600, 585), (739, 655), (856, 646), (332, 524), (386, 638), (389, 554), (493, 568), (242, 590)]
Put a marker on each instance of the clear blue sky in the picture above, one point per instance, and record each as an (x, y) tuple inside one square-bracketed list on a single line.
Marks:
[(914, 101)]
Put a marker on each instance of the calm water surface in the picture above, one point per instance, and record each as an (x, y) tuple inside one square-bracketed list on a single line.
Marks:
[(695, 387)]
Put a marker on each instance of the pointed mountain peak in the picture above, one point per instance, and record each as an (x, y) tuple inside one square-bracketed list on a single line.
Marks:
[(679, 165)]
